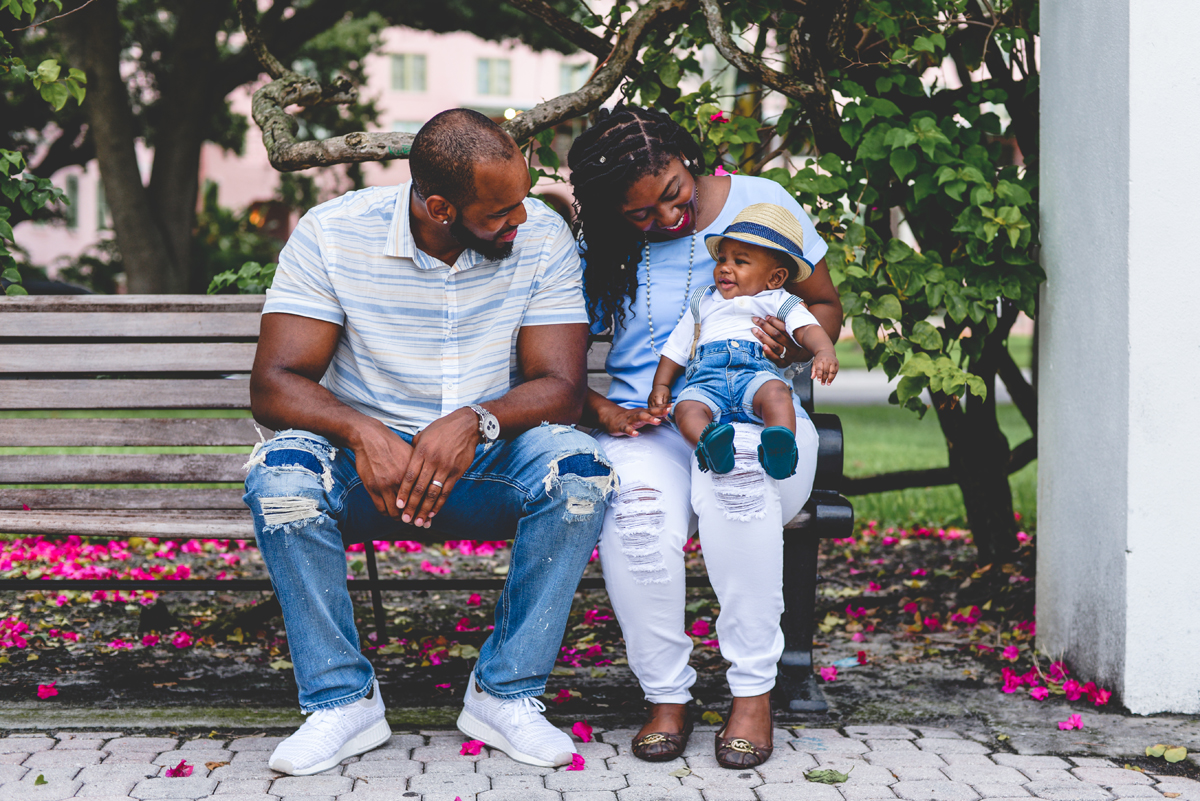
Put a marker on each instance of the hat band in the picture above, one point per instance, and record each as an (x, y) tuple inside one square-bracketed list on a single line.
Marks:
[(767, 233)]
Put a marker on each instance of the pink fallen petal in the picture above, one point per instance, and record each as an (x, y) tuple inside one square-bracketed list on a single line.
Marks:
[(873, 587), (475, 600), (45, 691), (443, 686), (182, 770), (857, 636), (1039, 693), (1073, 722), (1011, 652), (862, 657), (582, 730), (471, 748), (1073, 689), (1101, 697), (829, 673), (700, 628), (577, 762), (562, 697), (181, 639)]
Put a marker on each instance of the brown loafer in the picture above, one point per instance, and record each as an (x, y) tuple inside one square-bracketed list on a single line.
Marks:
[(739, 754), (661, 746)]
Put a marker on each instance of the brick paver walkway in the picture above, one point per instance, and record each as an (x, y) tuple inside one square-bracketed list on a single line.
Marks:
[(883, 762)]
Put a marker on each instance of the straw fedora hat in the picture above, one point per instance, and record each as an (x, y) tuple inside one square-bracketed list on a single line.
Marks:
[(768, 226)]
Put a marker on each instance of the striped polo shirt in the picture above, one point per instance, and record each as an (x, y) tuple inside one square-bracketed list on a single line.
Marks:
[(421, 339)]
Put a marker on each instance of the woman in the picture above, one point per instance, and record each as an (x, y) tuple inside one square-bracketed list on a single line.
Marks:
[(644, 204)]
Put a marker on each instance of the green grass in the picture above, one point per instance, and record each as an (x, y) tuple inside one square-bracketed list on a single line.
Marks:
[(850, 354), (886, 438)]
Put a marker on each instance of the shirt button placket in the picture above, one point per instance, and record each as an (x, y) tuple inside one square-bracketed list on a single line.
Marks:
[(450, 355)]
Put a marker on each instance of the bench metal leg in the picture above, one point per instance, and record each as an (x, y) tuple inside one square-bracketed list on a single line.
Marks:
[(376, 595), (796, 688)]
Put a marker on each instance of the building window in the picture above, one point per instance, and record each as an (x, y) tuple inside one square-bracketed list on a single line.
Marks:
[(407, 126), (495, 76), (102, 215), (572, 77), (72, 209), (408, 73)]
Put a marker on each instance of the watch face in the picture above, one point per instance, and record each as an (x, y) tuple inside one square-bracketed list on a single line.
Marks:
[(491, 427)]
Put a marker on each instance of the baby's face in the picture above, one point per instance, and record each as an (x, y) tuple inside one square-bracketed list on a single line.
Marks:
[(744, 269)]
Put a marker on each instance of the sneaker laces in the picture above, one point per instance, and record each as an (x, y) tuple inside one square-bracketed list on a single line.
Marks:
[(525, 710), (325, 721)]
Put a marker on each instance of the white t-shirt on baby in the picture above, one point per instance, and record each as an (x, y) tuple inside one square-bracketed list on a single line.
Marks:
[(722, 319)]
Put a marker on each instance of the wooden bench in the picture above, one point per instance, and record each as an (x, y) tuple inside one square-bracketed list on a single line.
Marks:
[(129, 359)]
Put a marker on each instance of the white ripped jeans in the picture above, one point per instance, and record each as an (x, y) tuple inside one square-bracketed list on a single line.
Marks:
[(663, 497)]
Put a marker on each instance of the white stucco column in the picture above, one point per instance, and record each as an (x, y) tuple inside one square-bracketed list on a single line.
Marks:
[(1118, 580)]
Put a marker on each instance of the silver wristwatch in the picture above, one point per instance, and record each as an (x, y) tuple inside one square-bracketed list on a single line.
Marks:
[(489, 426)]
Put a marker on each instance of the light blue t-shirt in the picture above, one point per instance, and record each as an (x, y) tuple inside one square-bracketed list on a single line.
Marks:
[(631, 363)]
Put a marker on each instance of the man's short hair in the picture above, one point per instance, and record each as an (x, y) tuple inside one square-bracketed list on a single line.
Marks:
[(447, 148)]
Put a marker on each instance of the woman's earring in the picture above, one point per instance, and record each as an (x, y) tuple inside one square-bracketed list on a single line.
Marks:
[(687, 162)]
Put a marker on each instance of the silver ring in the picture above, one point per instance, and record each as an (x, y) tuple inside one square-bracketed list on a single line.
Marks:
[(437, 484)]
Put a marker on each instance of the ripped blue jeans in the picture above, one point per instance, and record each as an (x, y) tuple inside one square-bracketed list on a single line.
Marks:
[(547, 489)]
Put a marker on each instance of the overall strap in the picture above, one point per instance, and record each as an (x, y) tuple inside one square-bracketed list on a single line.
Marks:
[(697, 296)]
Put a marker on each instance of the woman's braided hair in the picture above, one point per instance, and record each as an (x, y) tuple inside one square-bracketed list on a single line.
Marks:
[(626, 144)]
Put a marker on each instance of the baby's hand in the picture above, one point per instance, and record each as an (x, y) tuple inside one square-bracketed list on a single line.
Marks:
[(660, 400), (825, 367)]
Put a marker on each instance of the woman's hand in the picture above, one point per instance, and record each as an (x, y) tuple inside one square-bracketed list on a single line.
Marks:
[(777, 345), (621, 422)]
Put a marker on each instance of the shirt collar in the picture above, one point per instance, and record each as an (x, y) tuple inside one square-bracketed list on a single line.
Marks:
[(400, 242)]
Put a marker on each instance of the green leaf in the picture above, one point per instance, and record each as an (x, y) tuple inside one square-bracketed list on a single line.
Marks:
[(981, 195), (925, 335), (681, 772), (40, 780), (910, 387), (650, 93), (281, 664), (1175, 754), (670, 73), (56, 94), (864, 333), (12, 275), (48, 70), (827, 776), (903, 162), (887, 307), (15, 289), (1013, 193), (923, 45), (977, 387), (712, 718), (1156, 750)]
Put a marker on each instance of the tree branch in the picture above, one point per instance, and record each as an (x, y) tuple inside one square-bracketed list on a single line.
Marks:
[(1022, 392), (1020, 456), (270, 103), (570, 30), (756, 68)]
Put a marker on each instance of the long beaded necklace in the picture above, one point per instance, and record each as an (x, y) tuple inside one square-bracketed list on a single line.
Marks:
[(687, 290)]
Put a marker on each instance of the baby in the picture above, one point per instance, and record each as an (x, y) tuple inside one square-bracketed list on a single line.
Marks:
[(729, 379)]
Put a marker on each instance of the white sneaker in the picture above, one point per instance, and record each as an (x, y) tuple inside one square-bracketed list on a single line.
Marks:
[(331, 735), (516, 727)]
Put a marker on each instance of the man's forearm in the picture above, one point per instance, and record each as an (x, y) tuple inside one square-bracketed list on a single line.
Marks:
[(283, 400), (550, 399)]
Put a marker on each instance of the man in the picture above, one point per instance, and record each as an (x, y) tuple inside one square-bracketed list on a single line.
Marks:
[(415, 343)]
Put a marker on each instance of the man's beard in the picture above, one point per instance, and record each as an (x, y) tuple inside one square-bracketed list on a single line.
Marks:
[(490, 250)]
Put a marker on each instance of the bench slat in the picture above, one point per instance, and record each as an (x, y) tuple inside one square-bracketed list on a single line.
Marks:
[(147, 432), (120, 357), (151, 500), (58, 524), (124, 468), (30, 304), (82, 325), (597, 355), (133, 393)]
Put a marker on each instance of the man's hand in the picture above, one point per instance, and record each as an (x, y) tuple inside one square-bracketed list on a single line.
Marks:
[(441, 453), (381, 459)]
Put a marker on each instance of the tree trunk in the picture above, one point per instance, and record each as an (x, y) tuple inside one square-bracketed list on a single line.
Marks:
[(979, 456), (93, 38), (183, 116)]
